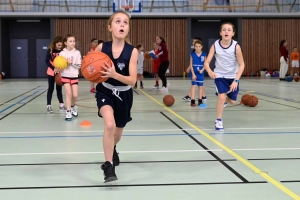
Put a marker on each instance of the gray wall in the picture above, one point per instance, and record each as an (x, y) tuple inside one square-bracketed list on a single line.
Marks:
[(25, 30)]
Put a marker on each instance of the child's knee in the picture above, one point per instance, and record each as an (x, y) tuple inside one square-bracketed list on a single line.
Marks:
[(231, 101), (110, 126)]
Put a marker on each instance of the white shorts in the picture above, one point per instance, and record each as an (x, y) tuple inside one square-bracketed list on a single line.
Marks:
[(295, 63), (140, 71)]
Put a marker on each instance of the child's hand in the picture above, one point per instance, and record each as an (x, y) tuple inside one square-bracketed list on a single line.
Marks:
[(233, 86), (188, 70), (194, 77), (212, 75), (56, 71), (69, 61), (109, 71)]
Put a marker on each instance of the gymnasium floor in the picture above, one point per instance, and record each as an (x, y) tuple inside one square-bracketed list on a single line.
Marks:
[(166, 153)]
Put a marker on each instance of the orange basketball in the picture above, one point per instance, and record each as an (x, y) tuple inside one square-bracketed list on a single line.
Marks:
[(58, 79), (245, 99), (146, 55), (92, 65), (252, 101), (296, 78), (169, 100)]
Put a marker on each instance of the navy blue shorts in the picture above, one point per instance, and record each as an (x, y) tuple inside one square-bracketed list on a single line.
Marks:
[(105, 96), (223, 86)]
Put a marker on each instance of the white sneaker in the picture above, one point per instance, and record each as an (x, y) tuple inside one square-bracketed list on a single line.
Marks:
[(74, 111), (63, 108), (155, 86), (164, 89), (219, 125), (68, 116), (49, 109)]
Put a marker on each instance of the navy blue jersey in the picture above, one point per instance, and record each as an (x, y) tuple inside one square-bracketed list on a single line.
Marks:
[(121, 63)]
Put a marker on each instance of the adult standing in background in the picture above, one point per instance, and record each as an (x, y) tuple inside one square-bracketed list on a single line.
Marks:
[(284, 59)]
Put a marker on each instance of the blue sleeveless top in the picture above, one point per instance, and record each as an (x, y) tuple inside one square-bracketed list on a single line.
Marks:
[(198, 62)]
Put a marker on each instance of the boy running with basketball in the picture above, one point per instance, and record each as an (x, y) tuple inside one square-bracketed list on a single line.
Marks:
[(115, 95), (69, 76), (229, 68)]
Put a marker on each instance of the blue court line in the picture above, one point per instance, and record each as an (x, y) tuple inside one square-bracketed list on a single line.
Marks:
[(1, 111), (138, 135)]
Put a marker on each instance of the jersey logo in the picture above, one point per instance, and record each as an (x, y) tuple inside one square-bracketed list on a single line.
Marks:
[(103, 100), (121, 66), (202, 58)]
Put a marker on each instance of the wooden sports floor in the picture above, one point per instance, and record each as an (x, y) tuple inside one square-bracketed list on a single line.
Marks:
[(166, 153)]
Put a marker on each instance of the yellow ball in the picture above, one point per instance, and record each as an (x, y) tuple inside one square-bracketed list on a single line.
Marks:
[(60, 62)]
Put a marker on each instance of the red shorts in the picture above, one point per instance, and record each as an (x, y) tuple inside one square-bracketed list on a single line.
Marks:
[(71, 81)]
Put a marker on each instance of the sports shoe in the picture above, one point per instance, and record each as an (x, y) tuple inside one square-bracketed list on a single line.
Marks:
[(74, 111), (186, 97), (62, 108), (156, 87), (93, 90), (49, 109), (204, 99), (116, 159), (225, 104), (109, 172), (164, 89), (68, 116), (193, 103), (219, 125)]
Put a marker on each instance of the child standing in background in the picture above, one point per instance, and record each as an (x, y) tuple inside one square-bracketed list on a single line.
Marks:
[(94, 44), (69, 76), (295, 62), (156, 63), (188, 71), (140, 49), (54, 49), (197, 59)]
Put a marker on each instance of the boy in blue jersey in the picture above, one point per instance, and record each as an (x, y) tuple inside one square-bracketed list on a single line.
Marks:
[(197, 59)]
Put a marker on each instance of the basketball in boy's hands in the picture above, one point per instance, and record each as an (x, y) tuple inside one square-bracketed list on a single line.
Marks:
[(91, 66), (60, 62), (252, 101), (169, 100)]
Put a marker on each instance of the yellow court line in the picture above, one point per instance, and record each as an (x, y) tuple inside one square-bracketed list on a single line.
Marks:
[(231, 152)]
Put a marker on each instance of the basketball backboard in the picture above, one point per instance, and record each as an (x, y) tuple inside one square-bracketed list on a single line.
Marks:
[(127, 5)]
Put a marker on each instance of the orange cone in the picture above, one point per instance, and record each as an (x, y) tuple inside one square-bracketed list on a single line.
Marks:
[(86, 123)]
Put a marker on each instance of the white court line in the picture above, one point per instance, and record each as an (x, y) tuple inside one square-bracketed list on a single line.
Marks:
[(149, 130), (267, 149), (132, 152), (98, 131), (101, 152)]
